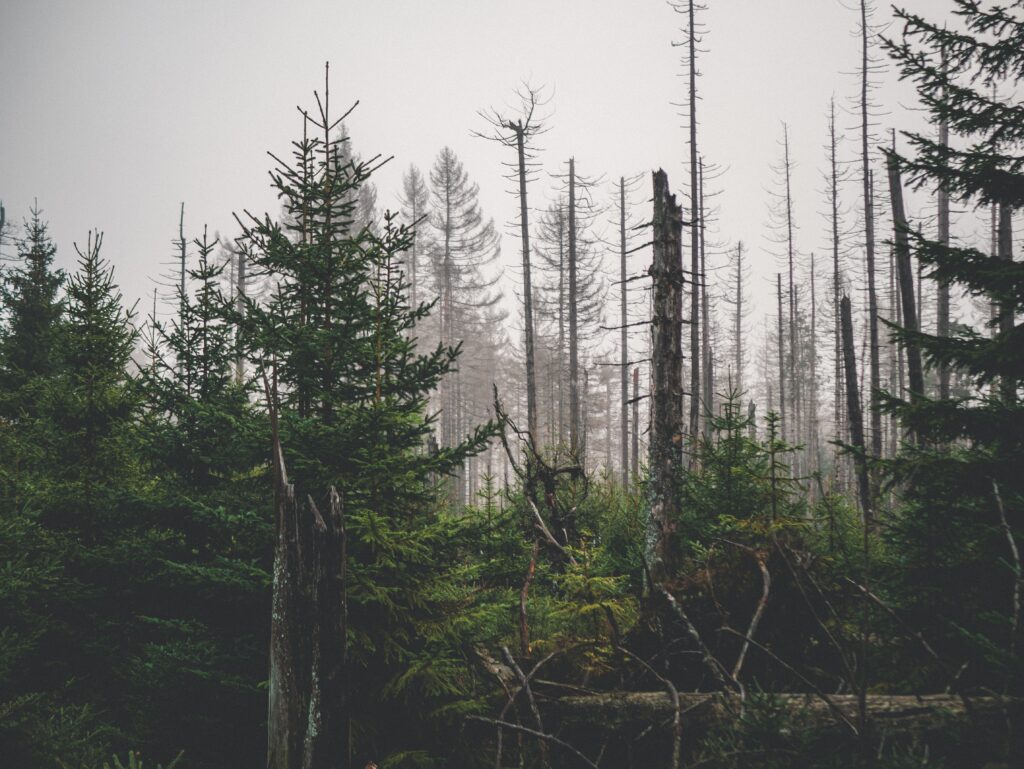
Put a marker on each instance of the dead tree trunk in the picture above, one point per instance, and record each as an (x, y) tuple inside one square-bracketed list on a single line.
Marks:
[(666, 374), (782, 362), (624, 341), (635, 467), (855, 419), (905, 273), (837, 405), (869, 243), (942, 304), (524, 226), (575, 427), (308, 713), (708, 387), (697, 225), (737, 328), (1004, 252)]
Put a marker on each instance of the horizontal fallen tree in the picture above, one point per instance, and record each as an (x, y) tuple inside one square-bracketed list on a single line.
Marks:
[(898, 711)]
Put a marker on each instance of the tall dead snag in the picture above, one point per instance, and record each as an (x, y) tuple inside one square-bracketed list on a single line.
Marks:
[(307, 717), (782, 360), (624, 340), (518, 133), (854, 417), (635, 465), (575, 444), (942, 303), (666, 374), (869, 235), (1005, 311), (905, 273)]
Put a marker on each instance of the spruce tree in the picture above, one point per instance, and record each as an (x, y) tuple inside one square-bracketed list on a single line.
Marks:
[(349, 391), (31, 308), (964, 490)]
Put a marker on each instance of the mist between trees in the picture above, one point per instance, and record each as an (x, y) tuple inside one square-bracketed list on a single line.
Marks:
[(344, 494)]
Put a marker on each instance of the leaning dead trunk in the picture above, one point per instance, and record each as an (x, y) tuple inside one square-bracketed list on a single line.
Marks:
[(905, 274), (666, 373), (307, 719), (854, 416)]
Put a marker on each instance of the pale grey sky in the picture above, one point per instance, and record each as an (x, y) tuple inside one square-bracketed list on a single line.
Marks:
[(114, 112)]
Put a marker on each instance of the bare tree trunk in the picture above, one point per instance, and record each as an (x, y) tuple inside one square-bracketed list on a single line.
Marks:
[(708, 387), (624, 341), (737, 329), (782, 362), (942, 305), (524, 225), (837, 405), (575, 444), (666, 372), (635, 468), (308, 711), (1008, 391), (869, 244), (854, 416), (906, 279), (696, 225), (794, 381), (812, 405)]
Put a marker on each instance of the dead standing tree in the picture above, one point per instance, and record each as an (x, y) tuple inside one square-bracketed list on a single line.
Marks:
[(666, 379), (308, 709), (518, 133)]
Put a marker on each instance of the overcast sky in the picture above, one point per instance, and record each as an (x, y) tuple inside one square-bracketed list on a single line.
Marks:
[(113, 113)]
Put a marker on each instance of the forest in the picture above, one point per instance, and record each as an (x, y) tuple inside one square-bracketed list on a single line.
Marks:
[(370, 491)]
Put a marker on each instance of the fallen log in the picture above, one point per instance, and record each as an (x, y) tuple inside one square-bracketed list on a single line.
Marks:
[(888, 711)]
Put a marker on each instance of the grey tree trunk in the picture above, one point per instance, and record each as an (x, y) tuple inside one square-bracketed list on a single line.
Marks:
[(837, 405), (708, 386), (635, 467), (782, 361), (905, 271), (695, 228), (853, 411), (1008, 391), (666, 373), (575, 427), (524, 224), (624, 341), (942, 304), (240, 295), (737, 328), (869, 245), (794, 380), (308, 706)]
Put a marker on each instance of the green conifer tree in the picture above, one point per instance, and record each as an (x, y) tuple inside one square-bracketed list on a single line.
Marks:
[(963, 500)]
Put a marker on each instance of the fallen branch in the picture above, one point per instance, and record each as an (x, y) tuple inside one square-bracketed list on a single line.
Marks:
[(534, 733)]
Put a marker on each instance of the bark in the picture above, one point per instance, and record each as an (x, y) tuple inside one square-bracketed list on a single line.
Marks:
[(782, 362), (869, 244), (794, 380), (942, 304), (696, 226), (524, 223), (708, 387), (854, 417), (837, 405), (737, 329), (575, 426), (895, 711), (1008, 389), (635, 468), (624, 341), (307, 722), (906, 279), (666, 373)]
